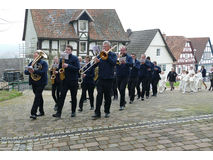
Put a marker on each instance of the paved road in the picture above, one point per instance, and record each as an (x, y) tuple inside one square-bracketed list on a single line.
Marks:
[(141, 126)]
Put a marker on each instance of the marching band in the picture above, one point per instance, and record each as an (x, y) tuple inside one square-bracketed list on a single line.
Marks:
[(107, 72)]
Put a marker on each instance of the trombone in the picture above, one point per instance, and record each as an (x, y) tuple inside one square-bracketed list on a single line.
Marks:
[(103, 55)]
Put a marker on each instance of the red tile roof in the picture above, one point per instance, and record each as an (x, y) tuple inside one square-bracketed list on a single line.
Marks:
[(55, 24), (176, 44)]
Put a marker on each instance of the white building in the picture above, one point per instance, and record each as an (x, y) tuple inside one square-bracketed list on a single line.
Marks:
[(152, 43)]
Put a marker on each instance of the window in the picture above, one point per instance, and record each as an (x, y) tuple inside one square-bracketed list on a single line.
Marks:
[(83, 47), (83, 25), (158, 52), (164, 67), (63, 45)]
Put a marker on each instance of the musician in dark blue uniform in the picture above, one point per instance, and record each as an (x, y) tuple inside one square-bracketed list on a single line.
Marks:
[(56, 82), (105, 80), (145, 66), (87, 84), (133, 78), (122, 73), (71, 69), (149, 76), (155, 78), (39, 69)]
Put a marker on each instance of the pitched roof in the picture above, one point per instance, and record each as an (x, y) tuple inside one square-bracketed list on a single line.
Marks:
[(141, 40), (176, 44), (199, 44), (57, 23)]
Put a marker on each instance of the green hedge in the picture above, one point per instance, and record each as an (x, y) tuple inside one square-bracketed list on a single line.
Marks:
[(5, 95)]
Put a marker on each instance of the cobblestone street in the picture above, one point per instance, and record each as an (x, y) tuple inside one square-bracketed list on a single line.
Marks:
[(171, 121)]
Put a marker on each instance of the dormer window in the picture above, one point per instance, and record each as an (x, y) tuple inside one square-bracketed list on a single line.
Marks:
[(83, 25)]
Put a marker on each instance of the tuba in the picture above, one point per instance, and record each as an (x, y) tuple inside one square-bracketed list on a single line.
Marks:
[(41, 55)]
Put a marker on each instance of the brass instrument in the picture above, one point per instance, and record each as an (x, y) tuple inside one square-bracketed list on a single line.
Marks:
[(62, 70), (104, 54), (53, 69), (41, 55)]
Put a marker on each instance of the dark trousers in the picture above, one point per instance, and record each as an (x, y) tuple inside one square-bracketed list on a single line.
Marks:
[(145, 85), (38, 100), (149, 81), (131, 87), (114, 88), (73, 87), (56, 89), (138, 88), (104, 87), (122, 82), (211, 86), (154, 86), (90, 88)]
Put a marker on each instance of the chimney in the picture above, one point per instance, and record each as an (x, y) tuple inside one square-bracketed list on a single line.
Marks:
[(129, 32), (164, 36)]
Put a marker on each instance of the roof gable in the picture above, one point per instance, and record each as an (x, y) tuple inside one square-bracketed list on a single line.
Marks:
[(199, 44), (82, 15), (141, 40)]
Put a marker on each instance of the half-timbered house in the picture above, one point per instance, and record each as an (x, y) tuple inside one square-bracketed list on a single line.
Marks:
[(203, 52), (52, 29), (183, 51)]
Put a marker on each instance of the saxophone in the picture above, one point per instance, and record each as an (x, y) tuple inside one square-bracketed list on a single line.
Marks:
[(62, 70), (53, 69)]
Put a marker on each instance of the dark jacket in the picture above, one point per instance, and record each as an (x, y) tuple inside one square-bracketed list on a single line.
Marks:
[(143, 72), (90, 74), (106, 67), (42, 72), (156, 73), (172, 76), (203, 71), (123, 70), (71, 72), (135, 69)]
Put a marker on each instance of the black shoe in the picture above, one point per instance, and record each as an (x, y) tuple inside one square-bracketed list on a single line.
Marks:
[(147, 97), (130, 102), (57, 115), (138, 98), (107, 115), (40, 114), (154, 95), (96, 116), (56, 107), (142, 99), (73, 114), (80, 109), (91, 108), (121, 108), (33, 116)]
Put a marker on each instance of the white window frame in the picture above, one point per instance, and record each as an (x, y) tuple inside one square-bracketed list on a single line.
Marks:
[(85, 47), (79, 25), (158, 52)]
